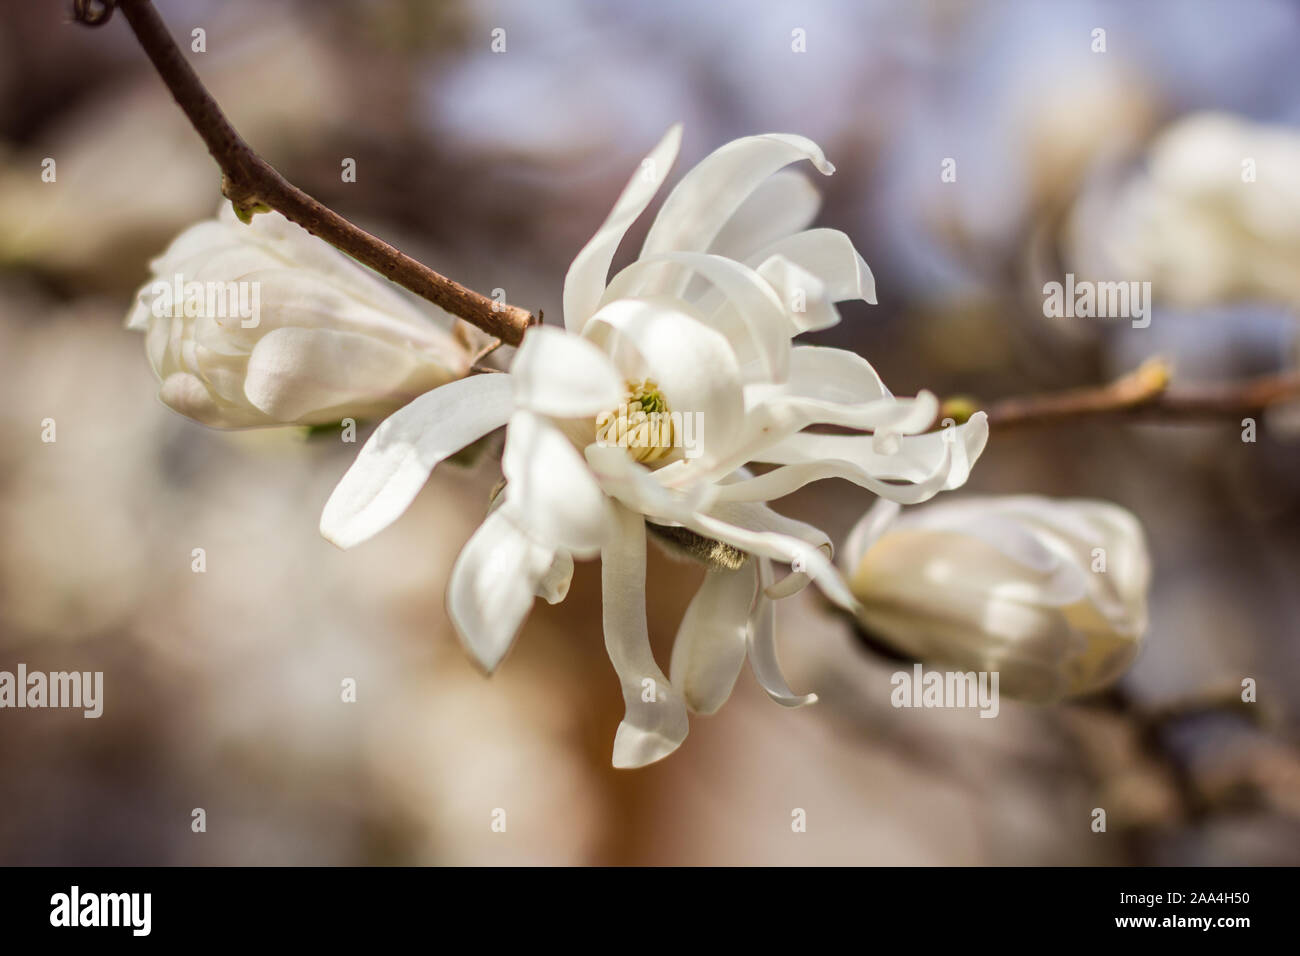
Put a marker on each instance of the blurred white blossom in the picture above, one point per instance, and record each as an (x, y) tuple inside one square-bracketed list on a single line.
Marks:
[(700, 327), (308, 337), (1213, 218), (1052, 594)]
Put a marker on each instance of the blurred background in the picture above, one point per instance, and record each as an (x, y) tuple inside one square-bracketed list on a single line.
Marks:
[(222, 689)]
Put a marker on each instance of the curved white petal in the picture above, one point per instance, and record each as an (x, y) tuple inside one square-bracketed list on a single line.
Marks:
[(790, 478), (783, 204), (655, 722), (563, 375), (712, 192), (554, 585), (776, 415), (826, 385), (492, 586), (759, 517), (749, 528), (763, 329), (302, 375), (637, 487), (187, 394), (934, 462), (710, 645), (828, 254), (555, 496), (805, 297), (585, 281), (762, 648), (834, 375), (394, 464)]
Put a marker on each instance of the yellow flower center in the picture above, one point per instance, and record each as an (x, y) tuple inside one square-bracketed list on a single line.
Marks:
[(642, 423)]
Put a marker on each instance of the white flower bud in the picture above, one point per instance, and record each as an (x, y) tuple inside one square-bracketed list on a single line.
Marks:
[(1052, 594), (264, 324)]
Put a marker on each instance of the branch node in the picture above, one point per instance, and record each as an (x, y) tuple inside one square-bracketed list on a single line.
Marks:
[(243, 199)]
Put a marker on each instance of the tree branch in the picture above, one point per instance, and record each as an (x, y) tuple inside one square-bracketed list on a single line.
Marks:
[(252, 185), (1142, 395)]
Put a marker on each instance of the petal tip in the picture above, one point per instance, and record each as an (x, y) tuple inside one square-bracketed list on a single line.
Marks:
[(635, 747)]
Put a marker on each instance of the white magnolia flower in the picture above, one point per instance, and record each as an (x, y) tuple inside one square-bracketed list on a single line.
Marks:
[(264, 324), (699, 328), (1052, 594), (1215, 216)]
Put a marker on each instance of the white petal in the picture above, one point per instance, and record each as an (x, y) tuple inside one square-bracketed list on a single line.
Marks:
[(834, 375), (828, 254), (934, 462), (710, 645), (636, 486), (826, 385), (747, 527), (303, 375), (187, 394), (556, 497), (711, 193), (762, 649), (651, 729), (394, 464), (807, 301), (790, 478), (766, 330), (563, 375), (759, 517), (692, 364), (492, 586), (783, 204), (775, 415), (554, 585), (585, 281)]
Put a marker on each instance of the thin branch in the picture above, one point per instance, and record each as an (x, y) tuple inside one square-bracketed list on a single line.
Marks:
[(1142, 395), (253, 185)]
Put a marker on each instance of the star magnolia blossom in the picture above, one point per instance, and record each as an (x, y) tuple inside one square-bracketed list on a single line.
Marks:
[(264, 324), (700, 327), (1051, 594)]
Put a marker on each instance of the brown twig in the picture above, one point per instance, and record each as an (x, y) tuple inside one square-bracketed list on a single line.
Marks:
[(1142, 395), (252, 185)]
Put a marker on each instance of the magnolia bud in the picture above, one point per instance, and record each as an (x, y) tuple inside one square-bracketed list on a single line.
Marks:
[(264, 324), (1052, 594)]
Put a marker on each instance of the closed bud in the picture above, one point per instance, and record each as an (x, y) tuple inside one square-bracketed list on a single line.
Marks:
[(264, 324), (1052, 594)]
